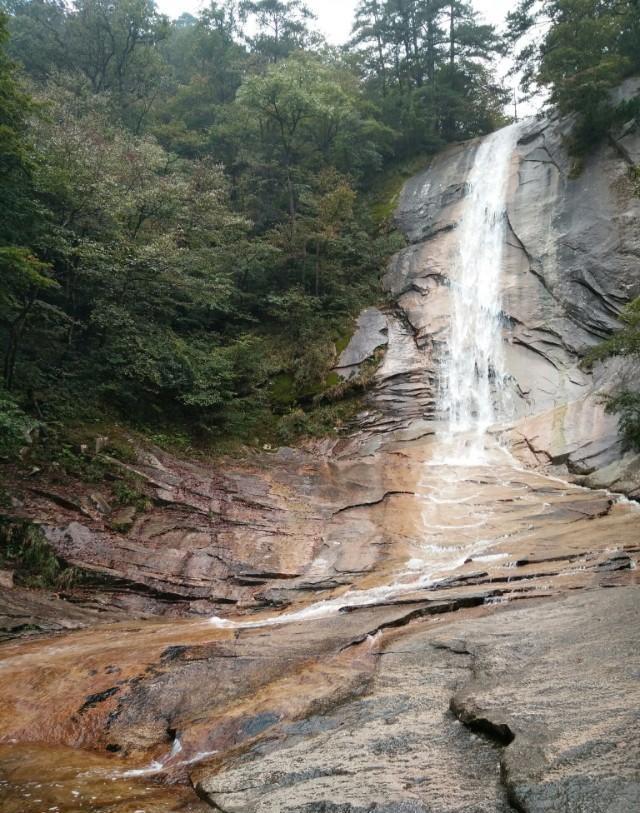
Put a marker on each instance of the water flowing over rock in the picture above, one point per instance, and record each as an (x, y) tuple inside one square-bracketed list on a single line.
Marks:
[(430, 615), (474, 378), (570, 263)]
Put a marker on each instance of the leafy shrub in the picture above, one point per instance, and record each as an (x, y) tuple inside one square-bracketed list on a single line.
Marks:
[(23, 548), (131, 493), (625, 342), (626, 405), (293, 426), (15, 426)]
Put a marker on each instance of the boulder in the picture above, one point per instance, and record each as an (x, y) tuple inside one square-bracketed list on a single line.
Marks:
[(371, 334)]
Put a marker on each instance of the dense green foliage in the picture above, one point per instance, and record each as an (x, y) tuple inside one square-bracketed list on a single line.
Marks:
[(625, 402), (428, 68), (585, 49), (185, 224)]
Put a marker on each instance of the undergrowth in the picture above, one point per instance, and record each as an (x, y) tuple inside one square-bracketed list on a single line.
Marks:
[(24, 550)]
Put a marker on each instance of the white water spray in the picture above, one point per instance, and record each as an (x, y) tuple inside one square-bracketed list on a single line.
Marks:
[(168, 761), (473, 375)]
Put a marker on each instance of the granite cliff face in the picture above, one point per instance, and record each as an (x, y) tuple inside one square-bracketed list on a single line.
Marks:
[(362, 625), (572, 262)]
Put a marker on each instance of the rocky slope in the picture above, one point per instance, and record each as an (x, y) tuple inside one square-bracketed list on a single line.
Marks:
[(572, 262), (347, 698), (390, 633)]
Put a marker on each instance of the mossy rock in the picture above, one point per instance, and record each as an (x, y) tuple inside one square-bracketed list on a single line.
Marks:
[(122, 520), (25, 550), (386, 192)]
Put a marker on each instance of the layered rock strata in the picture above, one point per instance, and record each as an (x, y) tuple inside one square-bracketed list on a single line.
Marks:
[(391, 633), (572, 262)]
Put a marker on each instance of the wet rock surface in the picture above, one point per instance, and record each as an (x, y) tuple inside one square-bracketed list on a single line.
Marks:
[(390, 632), (342, 696), (552, 709), (213, 540), (24, 612), (397, 749), (572, 262)]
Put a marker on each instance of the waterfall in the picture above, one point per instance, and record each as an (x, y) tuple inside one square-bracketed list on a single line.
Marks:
[(472, 391)]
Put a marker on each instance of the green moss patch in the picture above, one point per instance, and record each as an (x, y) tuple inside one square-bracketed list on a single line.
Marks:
[(385, 194)]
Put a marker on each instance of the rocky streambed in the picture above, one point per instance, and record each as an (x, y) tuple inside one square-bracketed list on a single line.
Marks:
[(368, 624), (455, 643)]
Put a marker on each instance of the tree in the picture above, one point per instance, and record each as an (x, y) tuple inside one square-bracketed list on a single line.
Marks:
[(427, 63), (185, 228), (301, 113), (16, 160), (38, 35), (626, 401), (140, 274), (282, 27), (370, 34), (24, 276), (207, 63), (112, 44), (584, 50)]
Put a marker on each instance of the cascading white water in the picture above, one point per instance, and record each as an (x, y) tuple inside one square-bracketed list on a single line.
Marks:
[(473, 377), (473, 398)]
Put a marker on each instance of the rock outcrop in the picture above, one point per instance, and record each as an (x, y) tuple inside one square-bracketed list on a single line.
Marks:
[(548, 707), (390, 633), (572, 262), (337, 694), (372, 333)]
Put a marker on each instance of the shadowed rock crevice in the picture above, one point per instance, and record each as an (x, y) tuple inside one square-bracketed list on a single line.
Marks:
[(474, 719), (372, 503)]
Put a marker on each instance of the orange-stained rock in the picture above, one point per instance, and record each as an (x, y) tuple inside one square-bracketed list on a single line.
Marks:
[(359, 625)]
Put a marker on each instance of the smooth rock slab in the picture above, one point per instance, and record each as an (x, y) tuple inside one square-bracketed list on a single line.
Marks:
[(398, 750), (561, 677), (371, 334), (565, 678)]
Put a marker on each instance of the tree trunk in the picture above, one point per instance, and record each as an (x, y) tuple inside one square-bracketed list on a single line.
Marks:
[(15, 334), (452, 37), (431, 52), (382, 66), (318, 266), (292, 200)]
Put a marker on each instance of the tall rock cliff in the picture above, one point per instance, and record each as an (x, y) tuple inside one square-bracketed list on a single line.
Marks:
[(572, 262)]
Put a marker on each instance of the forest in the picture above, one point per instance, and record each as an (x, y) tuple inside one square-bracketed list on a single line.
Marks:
[(193, 211)]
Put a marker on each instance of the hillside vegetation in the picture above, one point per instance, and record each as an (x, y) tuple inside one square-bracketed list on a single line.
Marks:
[(194, 211)]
